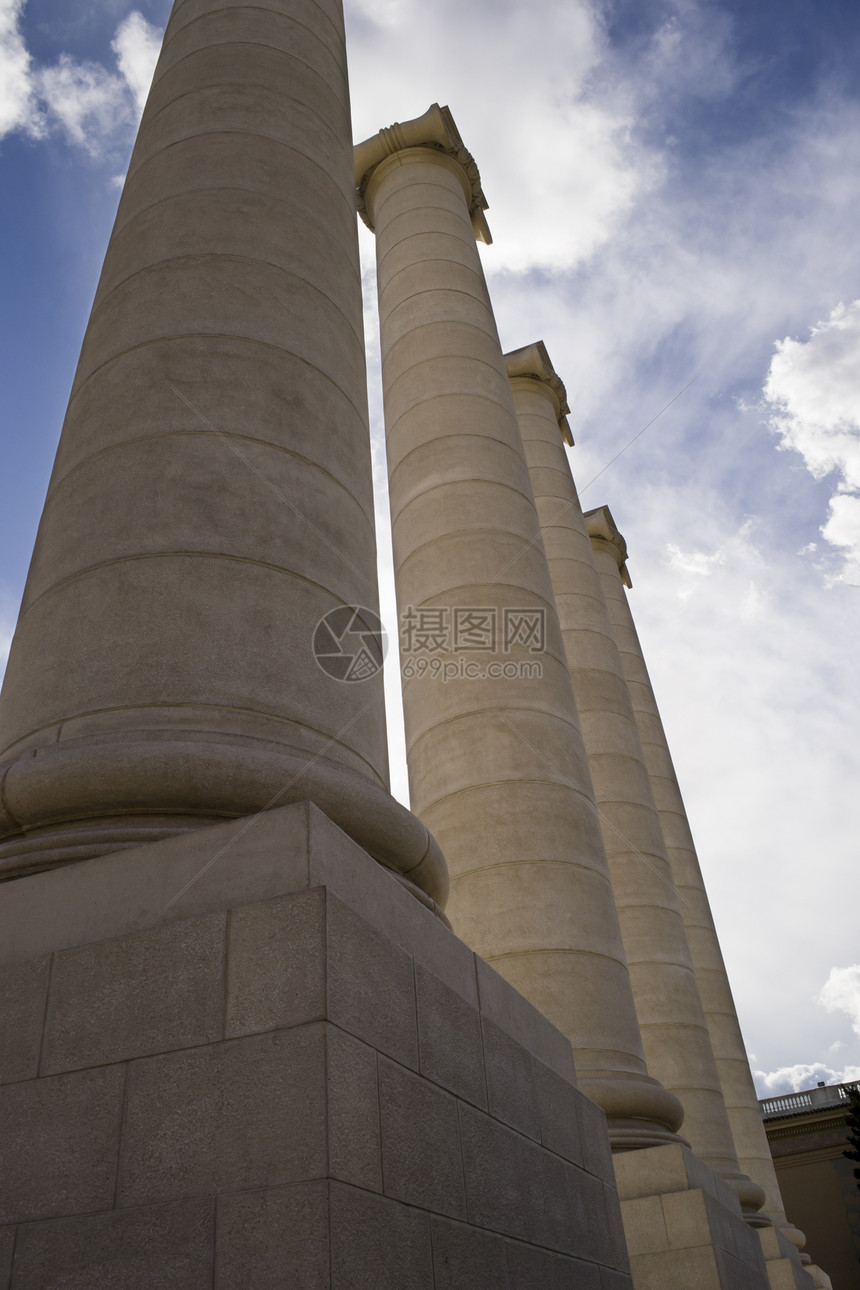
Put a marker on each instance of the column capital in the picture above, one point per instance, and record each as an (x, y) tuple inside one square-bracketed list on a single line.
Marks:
[(533, 363), (604, 533), (436, 131)]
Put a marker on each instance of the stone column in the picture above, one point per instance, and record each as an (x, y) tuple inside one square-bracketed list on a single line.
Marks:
[(674, 1031), (496, 761), (211, 500), (736, 1081)]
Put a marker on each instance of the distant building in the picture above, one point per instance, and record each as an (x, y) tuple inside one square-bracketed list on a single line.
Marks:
[(808, 1134)]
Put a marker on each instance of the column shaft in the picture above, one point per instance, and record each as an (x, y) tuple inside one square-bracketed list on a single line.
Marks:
[(496, 762), (729, 1050), (212, 497), (671, 1018)]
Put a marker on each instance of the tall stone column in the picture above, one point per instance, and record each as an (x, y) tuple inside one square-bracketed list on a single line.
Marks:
[(672, 1021), (211, 500), (496, 761), (736, 1081)]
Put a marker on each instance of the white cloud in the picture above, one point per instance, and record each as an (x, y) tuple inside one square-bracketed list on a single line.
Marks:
[(557, 160), (813, 388), (137, 45), (87, 101), (18, 108), (796, 1079), (841, 993), (92, 105)]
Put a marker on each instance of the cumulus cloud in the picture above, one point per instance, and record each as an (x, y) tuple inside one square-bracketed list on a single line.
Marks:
[(137, 45), (18, 107), (93, 106), (813, 389), (796, 1079), (841, 993), (557, 159)]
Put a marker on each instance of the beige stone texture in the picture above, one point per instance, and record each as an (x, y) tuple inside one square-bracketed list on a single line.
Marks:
[(671, 1017), (684, 1226), (211, 498), (302, 1130), (497, 766), (726, 1039)]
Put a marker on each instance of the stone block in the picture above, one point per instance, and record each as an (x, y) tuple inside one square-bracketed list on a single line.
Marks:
[(378, 1243), (679, 1270), (467, 1257), (382, 901), (512, 1013), (60, 1141), (165, 1247), (274, 1238), (494, 1176), (421, 1157), (588, 1203), (557, 1102), (511, 1091), (376, 1004), (276, 975), (135, 995), (530, 1268), (7, 1246), (596, 1152), (547, 1200), (449, 1039), (645, 1225), (354, 1147), (23, 990), (612, 1280), (235, 1115)]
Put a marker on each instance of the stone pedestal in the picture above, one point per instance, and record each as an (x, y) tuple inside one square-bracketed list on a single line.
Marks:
[(248, 1056), (784, 1268), (684, 1226)]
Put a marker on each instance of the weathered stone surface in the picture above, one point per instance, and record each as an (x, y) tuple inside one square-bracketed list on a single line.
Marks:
[(354, 1150), (467, 1257), (493, 1171), (376, 1004), (276, 964), (60, 1141), (421, 1157), (557, 1101), (511, 1091), (378, 1243), (273, 1239), (165, 1247), (150, 993), (235, 1115), (449, 1039), (530, 1268), (23, 989), (7, 1245)]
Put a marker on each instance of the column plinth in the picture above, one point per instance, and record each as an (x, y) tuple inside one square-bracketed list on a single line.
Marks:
[(497, 767)]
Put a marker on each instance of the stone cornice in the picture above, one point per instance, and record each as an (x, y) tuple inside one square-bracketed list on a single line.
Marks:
[(435, 130), (604, 532), (533, 363)]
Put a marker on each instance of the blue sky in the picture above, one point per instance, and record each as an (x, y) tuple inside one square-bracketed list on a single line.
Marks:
[(673, 193)]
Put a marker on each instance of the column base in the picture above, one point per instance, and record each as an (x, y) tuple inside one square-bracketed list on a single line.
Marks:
[(684, 1225), (249, 1056), (785, 1267)]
